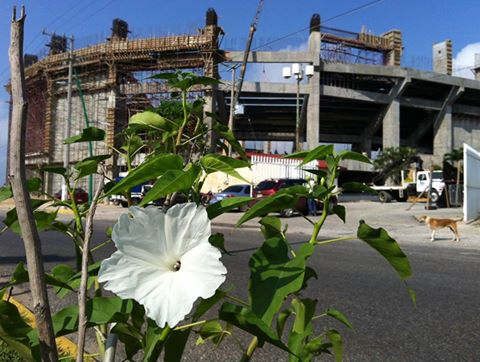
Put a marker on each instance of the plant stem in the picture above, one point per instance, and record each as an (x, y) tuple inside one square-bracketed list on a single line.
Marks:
[(185, 326), (239, 301), (350, 237), (319, 316), (101, 245), (82, 297), (250, 350), (185, 117)]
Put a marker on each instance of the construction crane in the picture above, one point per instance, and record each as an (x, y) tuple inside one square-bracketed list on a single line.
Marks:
[(243, 69)]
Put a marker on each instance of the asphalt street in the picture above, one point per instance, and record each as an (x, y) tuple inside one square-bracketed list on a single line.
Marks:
[(353, 278)]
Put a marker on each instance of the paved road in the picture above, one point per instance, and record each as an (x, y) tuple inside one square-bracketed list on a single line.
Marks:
[(444, 326)]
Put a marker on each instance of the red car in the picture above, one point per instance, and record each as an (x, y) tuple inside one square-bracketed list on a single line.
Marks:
[(269, 187), (81, 196)]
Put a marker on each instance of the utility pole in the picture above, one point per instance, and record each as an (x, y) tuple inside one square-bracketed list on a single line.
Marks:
[(66, 147), (232, 105)]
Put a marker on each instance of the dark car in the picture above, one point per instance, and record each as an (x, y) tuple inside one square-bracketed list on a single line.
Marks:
[(81, 196), (232, 191), (270, 187)]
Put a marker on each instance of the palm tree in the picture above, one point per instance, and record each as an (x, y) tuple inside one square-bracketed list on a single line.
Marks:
[(455, 157)]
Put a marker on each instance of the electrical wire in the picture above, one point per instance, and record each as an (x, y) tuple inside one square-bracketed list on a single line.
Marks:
[(345, 13)]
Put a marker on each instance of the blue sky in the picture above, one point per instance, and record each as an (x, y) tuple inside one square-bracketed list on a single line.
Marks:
[(422, 23)]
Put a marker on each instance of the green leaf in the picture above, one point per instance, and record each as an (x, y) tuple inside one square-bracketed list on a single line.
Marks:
[(132, 144), (282, 320), (100, 310), (226, 133), (217, 240), (271, 227), (34, 184), (88, 134), (14, 331), (154, 341), (318, 153), (89, 165), (273, 276), (176, 343), (319, 173), (276, 202), (318, 346), (358, 187), (412, 294), (339, 210), (246, 320), (171, 181), (387, 247), (337, 344), (211, 330), (5, 193), (206, 304), (304, 310), (339, 316), (226, 205), (150, 119), (130, 337), (147, 171), (217, 163), (43, 220), (12, 217), (57, 170), (74, 281), (355, 156)]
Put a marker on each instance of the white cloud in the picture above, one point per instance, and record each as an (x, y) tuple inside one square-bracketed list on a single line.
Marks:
[(464, 61)]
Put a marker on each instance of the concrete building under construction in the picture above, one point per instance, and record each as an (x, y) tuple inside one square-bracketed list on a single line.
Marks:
[(358, 94)]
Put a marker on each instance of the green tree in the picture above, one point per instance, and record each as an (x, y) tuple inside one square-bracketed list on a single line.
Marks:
[(455, 158), (392, 160)]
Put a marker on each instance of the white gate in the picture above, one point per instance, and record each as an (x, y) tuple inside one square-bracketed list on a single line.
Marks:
[(266, 167), (471, 182)]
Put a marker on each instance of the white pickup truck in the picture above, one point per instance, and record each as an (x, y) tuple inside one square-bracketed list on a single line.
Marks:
[(417, 183)]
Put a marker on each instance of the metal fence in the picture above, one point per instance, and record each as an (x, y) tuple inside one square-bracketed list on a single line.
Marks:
[(271, 167)]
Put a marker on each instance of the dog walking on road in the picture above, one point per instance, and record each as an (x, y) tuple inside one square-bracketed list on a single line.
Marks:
[(435, 224)]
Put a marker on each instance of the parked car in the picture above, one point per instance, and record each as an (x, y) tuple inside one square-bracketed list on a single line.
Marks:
[(136, 195), (270, 187), (81, 196), (232, 191)]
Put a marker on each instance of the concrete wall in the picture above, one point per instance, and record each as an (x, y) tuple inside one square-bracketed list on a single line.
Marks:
[(466, 130)]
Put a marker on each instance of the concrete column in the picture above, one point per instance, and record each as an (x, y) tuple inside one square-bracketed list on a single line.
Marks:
[(442, 57), (443, 134), (267, 147), (391, 125), (313, 109), (209, 107)]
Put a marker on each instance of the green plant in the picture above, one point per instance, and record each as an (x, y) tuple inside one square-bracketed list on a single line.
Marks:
[(178, 162)]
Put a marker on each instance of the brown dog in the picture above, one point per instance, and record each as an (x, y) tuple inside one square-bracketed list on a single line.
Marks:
[(435, 224)]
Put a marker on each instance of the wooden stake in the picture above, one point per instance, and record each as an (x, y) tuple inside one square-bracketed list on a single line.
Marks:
[(18, 182)]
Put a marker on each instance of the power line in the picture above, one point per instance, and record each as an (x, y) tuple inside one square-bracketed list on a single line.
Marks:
[(348, 12)]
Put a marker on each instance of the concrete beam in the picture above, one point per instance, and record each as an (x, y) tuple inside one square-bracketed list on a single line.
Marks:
[(264, 87), (442, 124), (464, 109), (343, 138), (373, 127), (397, 72), (358, 95), (420, 103), (269, 57)]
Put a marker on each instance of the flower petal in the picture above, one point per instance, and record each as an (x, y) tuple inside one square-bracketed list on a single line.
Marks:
[(140, 234), (186, 225)]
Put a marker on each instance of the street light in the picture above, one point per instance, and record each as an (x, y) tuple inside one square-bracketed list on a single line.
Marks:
[(297, 71)]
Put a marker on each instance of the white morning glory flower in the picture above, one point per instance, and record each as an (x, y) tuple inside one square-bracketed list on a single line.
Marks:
[(164, 261)]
